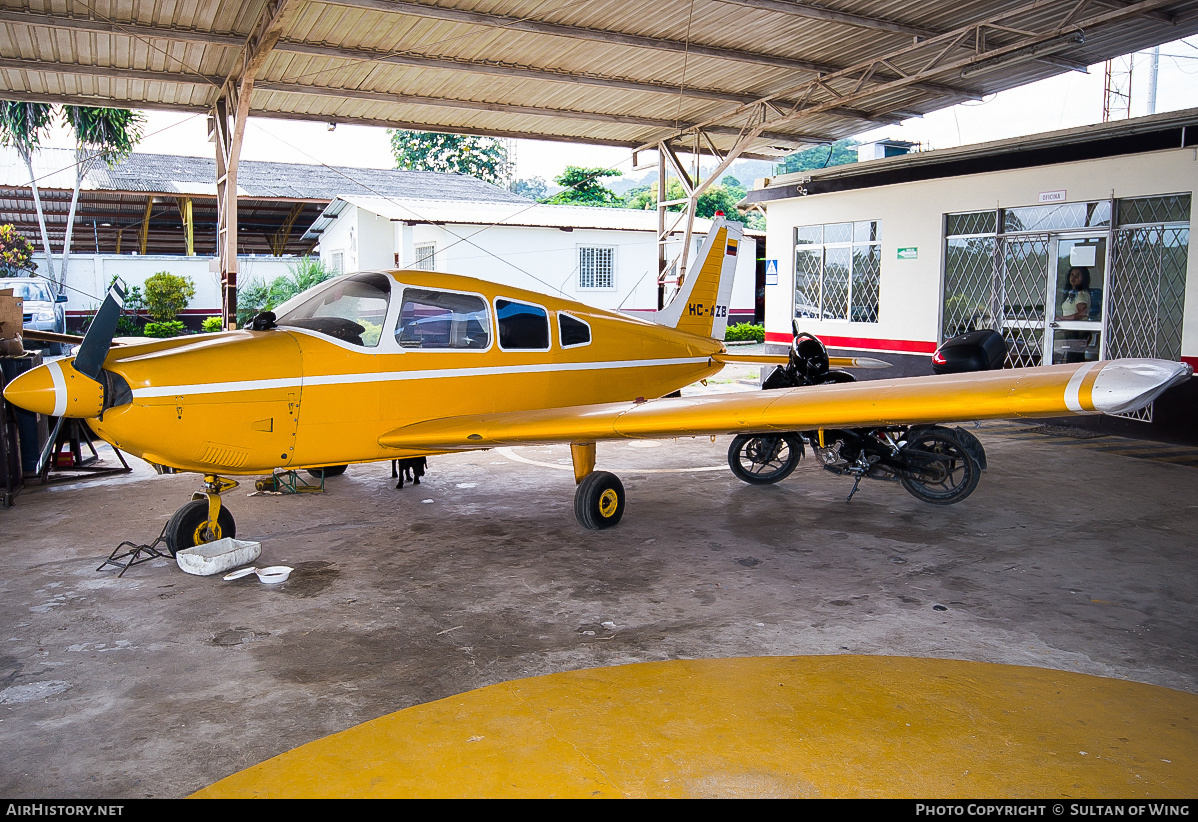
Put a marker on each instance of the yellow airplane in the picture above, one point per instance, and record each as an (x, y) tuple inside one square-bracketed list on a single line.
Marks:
[(386, 365)]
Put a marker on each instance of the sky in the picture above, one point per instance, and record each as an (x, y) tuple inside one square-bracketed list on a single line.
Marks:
[(1065, 101)]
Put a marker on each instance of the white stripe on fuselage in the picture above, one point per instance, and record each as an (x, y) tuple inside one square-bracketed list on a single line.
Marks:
[(398, 376)]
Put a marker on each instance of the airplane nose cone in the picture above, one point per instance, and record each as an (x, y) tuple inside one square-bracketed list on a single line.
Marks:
[(58, 390)]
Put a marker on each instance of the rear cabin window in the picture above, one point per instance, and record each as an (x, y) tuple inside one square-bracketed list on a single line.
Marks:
[(573, 332), (442, 320), (522, 327)]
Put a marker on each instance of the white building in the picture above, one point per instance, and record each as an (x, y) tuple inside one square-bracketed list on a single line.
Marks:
[(895, 255), (605, 257)]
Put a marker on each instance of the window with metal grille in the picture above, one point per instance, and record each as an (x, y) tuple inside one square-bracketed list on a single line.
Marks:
[(426, 257), (597, 268), (996, 262), (837, 271), (337, 261)]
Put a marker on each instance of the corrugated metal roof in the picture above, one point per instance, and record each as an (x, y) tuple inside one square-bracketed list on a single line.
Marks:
[(169, 174), (621, 72)]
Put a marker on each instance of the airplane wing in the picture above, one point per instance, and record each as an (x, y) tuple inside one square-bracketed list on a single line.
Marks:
[(1110, 387)]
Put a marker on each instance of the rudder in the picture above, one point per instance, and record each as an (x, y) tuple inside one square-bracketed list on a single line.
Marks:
[(701, 305)]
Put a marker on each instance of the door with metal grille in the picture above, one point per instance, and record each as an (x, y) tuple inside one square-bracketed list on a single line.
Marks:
[(1078, 283), (1023, 284)]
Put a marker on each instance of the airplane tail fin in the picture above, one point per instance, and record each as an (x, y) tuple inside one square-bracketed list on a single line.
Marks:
[(701, 305)]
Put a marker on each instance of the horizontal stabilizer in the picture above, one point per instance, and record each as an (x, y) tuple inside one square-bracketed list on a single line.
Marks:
[(729, 358)]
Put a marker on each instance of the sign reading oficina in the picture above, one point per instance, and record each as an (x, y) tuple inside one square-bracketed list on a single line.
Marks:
[(908, 253), (1052, 196)]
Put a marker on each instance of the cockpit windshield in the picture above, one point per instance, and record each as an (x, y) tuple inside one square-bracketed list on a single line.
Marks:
[(351, 309)]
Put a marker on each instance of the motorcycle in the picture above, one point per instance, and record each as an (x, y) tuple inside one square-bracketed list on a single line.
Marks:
[(934, 463)]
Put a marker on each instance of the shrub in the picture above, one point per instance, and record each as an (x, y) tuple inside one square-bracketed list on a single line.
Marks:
[(130, 322), (745, 331), (16, 253), (255, 296), (167, 295), (212, 324), (171, 328)]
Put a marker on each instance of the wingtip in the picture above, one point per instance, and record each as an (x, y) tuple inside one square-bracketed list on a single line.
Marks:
[(1127, 385)]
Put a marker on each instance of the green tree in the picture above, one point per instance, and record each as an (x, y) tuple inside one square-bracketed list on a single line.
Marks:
[(721, 197), (23, 126), (837, 154), (534, 188), (582, 187), (102, 135), (483, 157), (167, 294)]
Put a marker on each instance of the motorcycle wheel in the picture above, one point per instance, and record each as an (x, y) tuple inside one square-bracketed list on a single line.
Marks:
[(939, 469), (763, 459)]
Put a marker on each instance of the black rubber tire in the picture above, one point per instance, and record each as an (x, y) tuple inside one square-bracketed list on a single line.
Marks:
[(947, 472), (328, 471), (182, 527), (763, 459), (599, 501)]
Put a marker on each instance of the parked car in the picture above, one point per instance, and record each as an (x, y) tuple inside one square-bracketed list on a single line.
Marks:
[(43, 310)]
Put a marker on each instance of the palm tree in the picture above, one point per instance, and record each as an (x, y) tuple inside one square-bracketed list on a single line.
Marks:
[(23, 126), (105, 135)]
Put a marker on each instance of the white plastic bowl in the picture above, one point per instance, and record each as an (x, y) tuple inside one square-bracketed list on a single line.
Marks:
[(274, 574)]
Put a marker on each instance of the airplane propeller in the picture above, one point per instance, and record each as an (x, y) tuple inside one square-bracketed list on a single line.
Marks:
[(98, 339)]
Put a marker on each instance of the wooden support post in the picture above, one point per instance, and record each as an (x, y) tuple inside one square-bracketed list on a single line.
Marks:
[(143, 237), (185, 211), (278, 240), (227, 127)]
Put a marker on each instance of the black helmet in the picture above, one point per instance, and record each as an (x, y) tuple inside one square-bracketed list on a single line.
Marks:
[(810, 356)]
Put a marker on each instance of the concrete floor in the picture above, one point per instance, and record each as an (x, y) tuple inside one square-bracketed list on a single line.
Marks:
[(158, 684)]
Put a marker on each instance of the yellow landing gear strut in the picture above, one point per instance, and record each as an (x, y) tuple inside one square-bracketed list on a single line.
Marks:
[(599, 497), (203, 519)]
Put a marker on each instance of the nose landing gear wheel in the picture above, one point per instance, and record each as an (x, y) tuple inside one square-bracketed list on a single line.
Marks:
[(599, 501), (189, 526)]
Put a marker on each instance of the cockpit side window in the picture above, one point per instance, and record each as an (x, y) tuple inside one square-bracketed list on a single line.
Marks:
[(351, 309), (522, 327), (573, 331), (442, 319)]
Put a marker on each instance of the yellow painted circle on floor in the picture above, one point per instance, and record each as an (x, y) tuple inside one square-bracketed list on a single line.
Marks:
[(826, 726)]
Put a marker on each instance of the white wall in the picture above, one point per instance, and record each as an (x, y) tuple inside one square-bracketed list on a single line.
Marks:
[(534, 258), (911, 215), (88, 276)]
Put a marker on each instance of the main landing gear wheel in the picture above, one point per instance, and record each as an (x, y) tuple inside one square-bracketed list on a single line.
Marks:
[(941, 471), (599, 500), (328, 471), (189, 526), (763, 459)]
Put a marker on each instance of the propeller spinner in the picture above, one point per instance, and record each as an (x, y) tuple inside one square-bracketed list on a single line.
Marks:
[(72, 387)]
